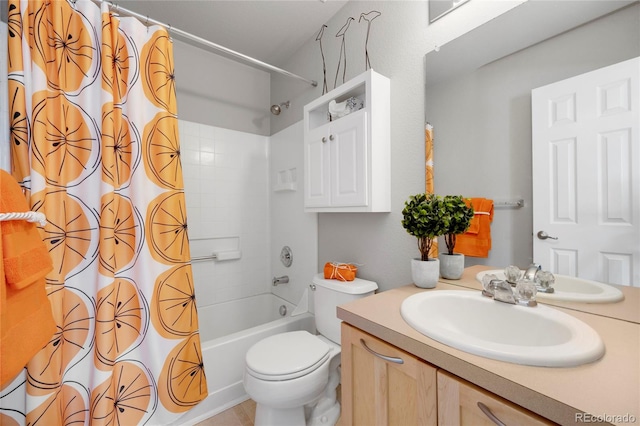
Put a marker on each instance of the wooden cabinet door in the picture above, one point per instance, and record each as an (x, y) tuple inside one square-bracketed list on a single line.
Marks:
[(458, 404), (383, 385)]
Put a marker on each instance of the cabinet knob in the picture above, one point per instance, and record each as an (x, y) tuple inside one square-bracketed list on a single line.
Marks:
[(324, 139), (331, 137)]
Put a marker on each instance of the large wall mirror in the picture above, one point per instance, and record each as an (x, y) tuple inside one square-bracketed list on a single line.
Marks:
[(478, 100)]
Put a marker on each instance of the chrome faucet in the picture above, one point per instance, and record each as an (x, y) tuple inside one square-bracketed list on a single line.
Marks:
[(542, 279), (531, 271), (280, 280), (502, 291)]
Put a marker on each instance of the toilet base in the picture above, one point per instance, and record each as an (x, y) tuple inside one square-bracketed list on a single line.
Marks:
[(327, 418), (269, 416), (327, 410)]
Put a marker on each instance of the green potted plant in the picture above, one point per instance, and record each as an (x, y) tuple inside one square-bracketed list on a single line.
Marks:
[(425, 218), (458, 217)]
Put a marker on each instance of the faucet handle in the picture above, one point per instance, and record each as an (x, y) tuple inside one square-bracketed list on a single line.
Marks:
[(544, 281), (526, 292), (503, 292), (489, 284), (512, 274)]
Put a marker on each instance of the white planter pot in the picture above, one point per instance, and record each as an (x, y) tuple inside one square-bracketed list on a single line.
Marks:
[(451, 266), (425, 274)]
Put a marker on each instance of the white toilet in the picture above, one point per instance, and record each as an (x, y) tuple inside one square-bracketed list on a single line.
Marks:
[(293, 376)]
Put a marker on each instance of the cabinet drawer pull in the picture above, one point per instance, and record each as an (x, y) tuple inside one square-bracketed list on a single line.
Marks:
[(385, 357), (331, 137), (489, 414), (324, 139)]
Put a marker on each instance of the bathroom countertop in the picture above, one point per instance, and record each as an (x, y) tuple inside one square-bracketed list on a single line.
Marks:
[(608, 387)]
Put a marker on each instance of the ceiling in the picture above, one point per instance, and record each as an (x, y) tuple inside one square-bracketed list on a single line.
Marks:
[(268, 30)]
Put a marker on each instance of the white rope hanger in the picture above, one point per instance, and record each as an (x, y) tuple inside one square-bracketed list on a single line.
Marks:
[(40, 218)]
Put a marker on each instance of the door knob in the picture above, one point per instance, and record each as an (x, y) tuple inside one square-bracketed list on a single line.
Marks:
[(543, 236)]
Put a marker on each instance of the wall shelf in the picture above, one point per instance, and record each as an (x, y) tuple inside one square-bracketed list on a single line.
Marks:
[(347, 160)]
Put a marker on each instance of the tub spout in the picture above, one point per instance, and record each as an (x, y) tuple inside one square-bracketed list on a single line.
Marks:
[(280, 280)]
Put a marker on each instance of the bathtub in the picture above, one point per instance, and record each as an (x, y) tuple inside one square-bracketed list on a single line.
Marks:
[(227, 331)]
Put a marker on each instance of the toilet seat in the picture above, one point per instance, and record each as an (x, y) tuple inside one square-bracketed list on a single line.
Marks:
[(286, 356)]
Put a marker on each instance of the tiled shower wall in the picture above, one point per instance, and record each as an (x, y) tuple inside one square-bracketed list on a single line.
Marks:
[(226, 176)]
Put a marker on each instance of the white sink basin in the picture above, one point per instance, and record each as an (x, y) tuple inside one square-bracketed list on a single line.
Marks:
[(572, 289), (466, 320)]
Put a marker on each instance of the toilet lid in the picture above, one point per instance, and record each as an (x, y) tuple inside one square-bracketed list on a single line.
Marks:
[(286, 356)]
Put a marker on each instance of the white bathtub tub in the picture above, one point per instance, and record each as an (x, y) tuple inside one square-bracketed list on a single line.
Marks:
[(227, 331)]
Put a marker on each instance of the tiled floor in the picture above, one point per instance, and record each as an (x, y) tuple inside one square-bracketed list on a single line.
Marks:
[(240, 415)]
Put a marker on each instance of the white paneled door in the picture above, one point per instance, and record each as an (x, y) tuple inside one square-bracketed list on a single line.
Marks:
[(586, 175)]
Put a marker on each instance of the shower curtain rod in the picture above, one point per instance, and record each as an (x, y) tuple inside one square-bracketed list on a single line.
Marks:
[(114, 7)]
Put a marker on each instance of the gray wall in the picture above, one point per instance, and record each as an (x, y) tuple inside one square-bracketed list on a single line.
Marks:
[(397, 46), (398, 42), (220, 92)]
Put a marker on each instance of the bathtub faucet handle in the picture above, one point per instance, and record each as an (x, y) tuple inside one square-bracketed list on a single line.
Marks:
[(280, 280)]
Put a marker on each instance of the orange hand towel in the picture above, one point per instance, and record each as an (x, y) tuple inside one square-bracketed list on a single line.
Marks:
[(26, 320), (340, 271), (476, 242)]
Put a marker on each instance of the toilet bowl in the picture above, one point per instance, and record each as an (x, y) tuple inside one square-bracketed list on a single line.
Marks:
[(293, 376), (286, 373)]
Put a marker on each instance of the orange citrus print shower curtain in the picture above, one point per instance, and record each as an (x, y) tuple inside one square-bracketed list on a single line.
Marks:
[(94, 139)]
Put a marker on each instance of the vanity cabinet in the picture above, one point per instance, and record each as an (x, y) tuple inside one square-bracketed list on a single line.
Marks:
[(462, 403), (347, 159), (384, 385)]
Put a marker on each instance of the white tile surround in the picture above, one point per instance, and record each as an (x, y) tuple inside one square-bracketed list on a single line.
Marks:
[(226, 179)]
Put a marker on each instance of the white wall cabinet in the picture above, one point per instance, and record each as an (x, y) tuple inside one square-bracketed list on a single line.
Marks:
[(347, 167)]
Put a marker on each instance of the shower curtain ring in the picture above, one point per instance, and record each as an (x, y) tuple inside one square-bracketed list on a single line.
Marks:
[(113, 9)]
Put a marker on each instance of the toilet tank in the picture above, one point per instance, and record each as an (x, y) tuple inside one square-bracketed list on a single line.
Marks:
[(331, 293)]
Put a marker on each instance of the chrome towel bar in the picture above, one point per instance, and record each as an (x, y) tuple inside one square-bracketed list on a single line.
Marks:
[(220, 255)]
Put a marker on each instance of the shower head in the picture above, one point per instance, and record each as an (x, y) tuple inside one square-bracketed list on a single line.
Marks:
[(277, 109)]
